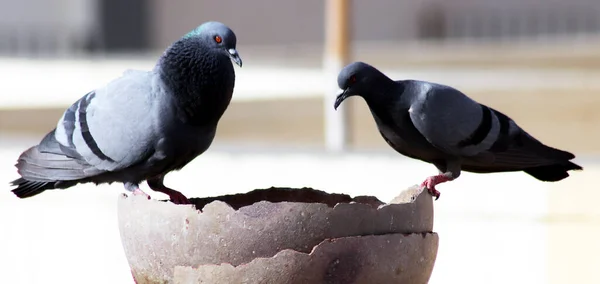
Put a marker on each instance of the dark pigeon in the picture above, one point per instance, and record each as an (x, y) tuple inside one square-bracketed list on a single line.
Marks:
[(441, 125), (142, 125)]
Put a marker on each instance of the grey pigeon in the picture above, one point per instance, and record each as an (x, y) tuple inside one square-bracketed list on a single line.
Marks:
[(441, 125), (141, 125)]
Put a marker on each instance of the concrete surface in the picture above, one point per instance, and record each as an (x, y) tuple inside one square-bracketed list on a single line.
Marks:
[(570, 122), (557, 105), (60, 82), (383, 259), (500, 228), (158, 236)]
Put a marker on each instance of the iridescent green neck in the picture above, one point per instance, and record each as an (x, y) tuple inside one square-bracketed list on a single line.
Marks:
[(195, 32)]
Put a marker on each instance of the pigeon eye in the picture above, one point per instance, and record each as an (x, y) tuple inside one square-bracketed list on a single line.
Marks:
[(218, 39), (352, 79)]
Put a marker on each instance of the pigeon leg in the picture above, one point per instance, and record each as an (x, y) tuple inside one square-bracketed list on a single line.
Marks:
[(156, 184), (432, 181), (135, 189), (450, 170)]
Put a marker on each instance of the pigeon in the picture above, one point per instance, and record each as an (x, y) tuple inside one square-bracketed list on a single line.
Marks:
[(141, 125), (442, 126)]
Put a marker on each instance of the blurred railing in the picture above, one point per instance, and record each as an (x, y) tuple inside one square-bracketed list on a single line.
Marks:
[(503, 21)]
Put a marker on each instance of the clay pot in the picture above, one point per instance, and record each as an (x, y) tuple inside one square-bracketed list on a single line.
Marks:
[(280, 235)]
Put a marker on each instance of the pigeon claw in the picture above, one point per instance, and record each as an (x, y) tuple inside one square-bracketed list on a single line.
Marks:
[(434, 192), (431, 182), (177, 197), (138, 191)]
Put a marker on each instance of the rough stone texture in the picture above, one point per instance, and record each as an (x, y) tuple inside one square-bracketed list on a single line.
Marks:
[(158, 236), (392, 258)]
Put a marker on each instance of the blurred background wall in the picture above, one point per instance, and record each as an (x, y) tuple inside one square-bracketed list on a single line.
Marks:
[(59, 26), (536, 60), (534, 51)]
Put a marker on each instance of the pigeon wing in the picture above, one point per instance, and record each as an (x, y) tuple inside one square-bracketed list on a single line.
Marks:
[(112, 127), (452, 122)]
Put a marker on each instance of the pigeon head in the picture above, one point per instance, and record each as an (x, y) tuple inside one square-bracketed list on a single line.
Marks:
[(197, 71), (218, 36), (359, 79)]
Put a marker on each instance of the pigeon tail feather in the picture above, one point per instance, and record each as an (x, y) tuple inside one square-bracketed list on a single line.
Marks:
[(26, 188), (41, 170), (554, 172)]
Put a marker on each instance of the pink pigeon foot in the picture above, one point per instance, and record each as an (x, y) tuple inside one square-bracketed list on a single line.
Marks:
[(175, 196), (432, 181), (138, 191)]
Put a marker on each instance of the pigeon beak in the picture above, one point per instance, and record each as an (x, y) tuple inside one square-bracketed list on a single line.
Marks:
[(235, 56), (340, 98)]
